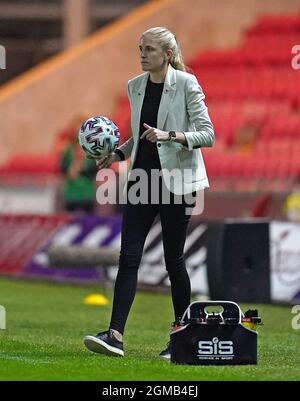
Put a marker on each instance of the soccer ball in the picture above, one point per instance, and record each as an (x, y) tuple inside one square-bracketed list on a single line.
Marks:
[(99, 136)]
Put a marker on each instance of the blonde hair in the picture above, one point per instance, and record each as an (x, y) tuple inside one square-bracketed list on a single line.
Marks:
[(167, 40)]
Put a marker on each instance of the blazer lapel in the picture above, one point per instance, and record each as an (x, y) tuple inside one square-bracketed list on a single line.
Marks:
[(169, 90), (167, 97), (138, 93)]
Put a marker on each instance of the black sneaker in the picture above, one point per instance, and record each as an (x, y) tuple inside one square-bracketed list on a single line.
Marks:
[(104, 343), (166, 354)]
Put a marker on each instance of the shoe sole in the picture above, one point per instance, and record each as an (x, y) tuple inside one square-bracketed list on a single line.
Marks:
[(100, 347), (166, 357)]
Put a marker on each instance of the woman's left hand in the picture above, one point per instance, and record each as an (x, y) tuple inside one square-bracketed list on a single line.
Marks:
[(154, 134)]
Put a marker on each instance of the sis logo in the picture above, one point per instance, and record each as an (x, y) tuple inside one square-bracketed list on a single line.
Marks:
[(215, 348)]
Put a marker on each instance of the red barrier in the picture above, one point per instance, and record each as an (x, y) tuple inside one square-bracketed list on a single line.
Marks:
[(21, 236)]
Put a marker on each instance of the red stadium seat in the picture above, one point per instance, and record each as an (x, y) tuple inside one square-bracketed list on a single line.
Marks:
[(33, 164)]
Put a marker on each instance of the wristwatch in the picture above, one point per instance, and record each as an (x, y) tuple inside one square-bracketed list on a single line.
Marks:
[(120, 154), (172, 136)]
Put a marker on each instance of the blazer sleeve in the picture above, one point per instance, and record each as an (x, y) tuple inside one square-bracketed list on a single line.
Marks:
[(203, 136), (127, 146)]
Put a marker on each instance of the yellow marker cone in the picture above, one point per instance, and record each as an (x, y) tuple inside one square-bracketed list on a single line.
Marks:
[(96, 299)]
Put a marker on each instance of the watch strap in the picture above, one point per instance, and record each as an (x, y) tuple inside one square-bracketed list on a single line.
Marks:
[(172, 135), (120, 153)]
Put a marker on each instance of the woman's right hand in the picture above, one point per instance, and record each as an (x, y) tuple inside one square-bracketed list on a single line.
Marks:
[(106, 161)]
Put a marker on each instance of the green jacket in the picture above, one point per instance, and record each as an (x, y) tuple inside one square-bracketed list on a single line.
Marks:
[(83, 188)]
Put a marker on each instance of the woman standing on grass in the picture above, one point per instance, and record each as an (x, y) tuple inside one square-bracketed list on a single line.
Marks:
[(169, 122)]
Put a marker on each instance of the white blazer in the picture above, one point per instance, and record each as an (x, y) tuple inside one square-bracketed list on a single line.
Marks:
[(181, 109)]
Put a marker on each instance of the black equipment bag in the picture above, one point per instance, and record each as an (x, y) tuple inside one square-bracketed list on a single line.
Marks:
[(215, 338)]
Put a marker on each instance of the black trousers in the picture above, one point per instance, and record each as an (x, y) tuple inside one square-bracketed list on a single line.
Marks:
[(136, 224)]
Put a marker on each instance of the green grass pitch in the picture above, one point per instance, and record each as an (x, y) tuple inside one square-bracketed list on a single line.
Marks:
[(46, 324)]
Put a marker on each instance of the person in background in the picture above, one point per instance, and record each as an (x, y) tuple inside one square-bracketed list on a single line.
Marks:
[(246, 137), (65, 136), (291, 207), (79, 174)]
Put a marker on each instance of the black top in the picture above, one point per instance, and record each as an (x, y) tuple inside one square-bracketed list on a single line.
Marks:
[(147, 155)]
